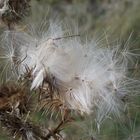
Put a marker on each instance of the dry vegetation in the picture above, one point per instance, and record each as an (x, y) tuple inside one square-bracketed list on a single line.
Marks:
[(57, 85)]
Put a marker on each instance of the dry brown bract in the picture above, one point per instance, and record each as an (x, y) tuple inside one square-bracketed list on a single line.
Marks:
[(14, 11)]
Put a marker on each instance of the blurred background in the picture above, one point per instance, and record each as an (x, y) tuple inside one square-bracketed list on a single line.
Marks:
[(118, 19)]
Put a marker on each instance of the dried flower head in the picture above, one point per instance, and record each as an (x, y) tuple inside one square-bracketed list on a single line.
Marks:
[(86, 76), (14, 98)]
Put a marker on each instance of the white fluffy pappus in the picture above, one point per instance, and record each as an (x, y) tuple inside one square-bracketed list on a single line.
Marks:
[(9, 57), (88, 77)]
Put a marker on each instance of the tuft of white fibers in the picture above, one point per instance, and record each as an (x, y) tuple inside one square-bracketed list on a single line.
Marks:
[(87, 76), (9, 59)]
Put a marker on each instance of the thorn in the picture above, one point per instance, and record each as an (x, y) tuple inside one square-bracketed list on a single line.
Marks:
[(58, 38)]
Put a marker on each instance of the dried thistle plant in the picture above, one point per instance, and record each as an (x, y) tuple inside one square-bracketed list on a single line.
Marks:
[(56, 74), (61, 75)]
